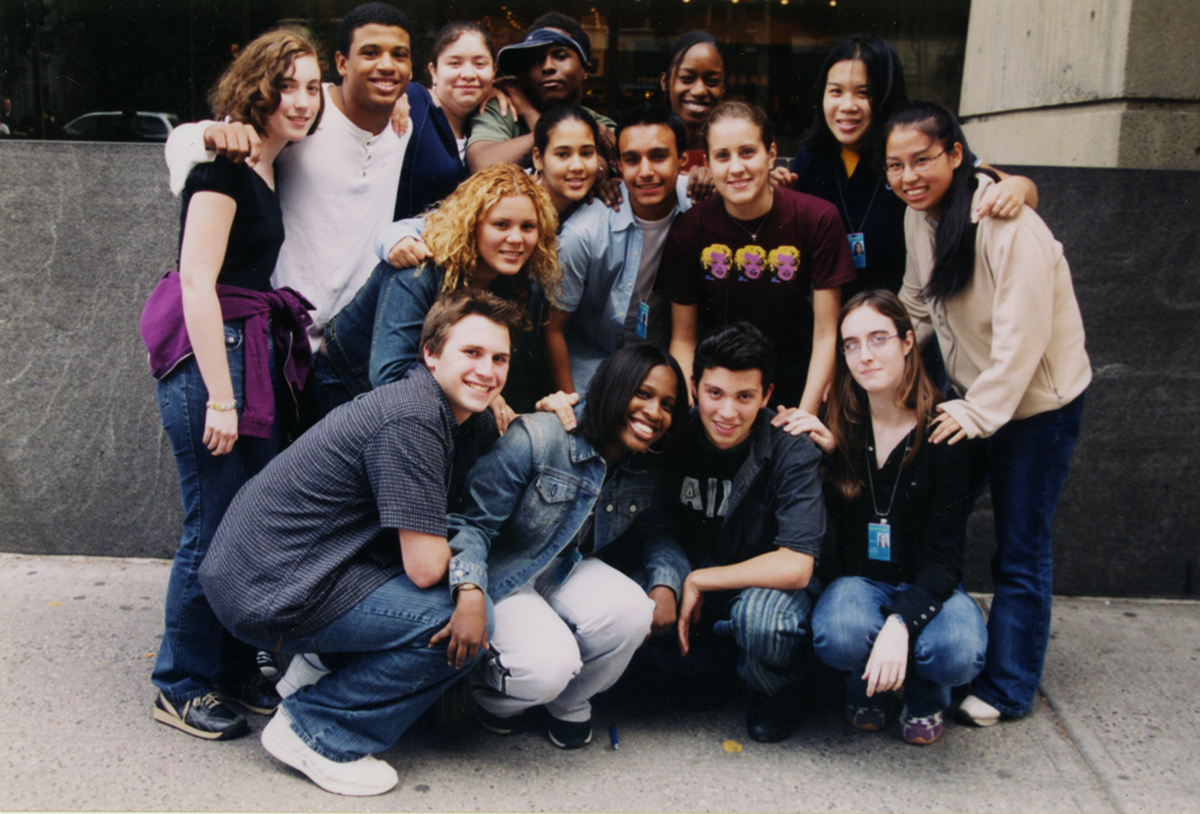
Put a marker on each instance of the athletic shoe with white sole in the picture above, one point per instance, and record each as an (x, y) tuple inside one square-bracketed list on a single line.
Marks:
[(976, 711), (205, 717), (305, 669), (364, 777)]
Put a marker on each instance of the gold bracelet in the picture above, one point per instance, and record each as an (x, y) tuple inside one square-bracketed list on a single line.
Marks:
[(222, 406)]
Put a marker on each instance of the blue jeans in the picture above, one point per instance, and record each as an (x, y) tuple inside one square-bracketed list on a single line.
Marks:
[(197, 653), (769, 628), (384, 673), (947, 653), (1026, 464)]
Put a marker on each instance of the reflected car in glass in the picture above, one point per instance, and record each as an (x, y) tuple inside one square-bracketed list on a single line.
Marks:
[(113, 125)]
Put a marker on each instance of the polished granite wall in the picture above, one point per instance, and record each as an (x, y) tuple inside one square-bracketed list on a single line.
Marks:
[(87, 229)]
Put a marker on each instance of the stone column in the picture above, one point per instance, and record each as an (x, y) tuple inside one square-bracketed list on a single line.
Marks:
[(1102, 83)]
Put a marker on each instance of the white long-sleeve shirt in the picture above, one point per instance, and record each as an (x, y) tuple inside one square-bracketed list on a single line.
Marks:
[(337, 187)]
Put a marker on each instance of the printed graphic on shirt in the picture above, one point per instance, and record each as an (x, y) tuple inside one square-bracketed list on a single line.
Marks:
[(716, 259), (752, 261), (785, 262), (711, 498)]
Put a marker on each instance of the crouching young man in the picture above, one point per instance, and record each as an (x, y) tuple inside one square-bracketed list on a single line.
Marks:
[(338, 547), (747, 507)]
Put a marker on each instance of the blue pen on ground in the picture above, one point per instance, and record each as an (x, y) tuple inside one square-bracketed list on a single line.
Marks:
[(612, 733)]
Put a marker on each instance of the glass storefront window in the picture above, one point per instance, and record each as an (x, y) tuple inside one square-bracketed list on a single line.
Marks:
[(135, 64)]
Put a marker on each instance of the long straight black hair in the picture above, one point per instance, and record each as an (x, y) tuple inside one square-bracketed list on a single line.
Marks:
[(885, 87), (954, 240)]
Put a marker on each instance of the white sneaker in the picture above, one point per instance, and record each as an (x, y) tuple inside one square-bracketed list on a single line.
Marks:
[(364, 777), (305, 669), (978, 712)]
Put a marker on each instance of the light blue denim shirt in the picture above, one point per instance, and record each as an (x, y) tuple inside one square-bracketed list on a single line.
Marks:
[(600, 251), (528, 498)]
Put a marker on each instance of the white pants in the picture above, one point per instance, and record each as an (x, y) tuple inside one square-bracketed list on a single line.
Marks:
[(559, 645)]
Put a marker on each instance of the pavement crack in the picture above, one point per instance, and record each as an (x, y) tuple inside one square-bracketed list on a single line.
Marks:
[(1065, 730)]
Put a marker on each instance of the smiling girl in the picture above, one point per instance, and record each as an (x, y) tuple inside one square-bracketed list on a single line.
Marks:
[(841, 159), (496, 233), (461, 71), (893, 615), (221, 342), (694, 84), (1000, 298), (785, 246), (539, 507)]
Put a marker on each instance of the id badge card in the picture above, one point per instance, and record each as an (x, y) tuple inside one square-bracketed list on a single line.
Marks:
[(879, 542), (643, 319), (858, 249)]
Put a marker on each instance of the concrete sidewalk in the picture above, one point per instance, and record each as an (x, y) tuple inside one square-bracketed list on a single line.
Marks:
[(1116, 730)]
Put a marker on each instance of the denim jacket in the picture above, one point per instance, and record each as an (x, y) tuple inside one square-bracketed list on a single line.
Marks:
[(374, 340), (529, 497)]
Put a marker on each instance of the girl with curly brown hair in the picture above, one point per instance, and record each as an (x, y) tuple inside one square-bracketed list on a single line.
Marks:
[(222, 342)]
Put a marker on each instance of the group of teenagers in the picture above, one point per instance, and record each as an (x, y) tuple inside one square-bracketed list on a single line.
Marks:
[(479, 385)]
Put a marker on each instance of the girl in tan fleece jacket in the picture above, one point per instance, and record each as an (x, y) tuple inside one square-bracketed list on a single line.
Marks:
[(998, 295)]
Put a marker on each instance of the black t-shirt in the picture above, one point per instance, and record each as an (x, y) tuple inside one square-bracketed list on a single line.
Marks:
[(257, 231), (704, 476)]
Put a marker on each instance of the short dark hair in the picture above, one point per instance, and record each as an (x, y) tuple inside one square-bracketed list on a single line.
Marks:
[(686, 42), (452, 308), (614, 385), (369, 14), (556, 115), (567, 23), (648, 114), (739, 346)]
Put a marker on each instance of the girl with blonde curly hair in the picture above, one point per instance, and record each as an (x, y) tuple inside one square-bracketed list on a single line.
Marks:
[(496, 232), (222, 343)]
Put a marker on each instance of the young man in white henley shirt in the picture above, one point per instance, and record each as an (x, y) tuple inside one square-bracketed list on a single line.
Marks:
[(338, 186)]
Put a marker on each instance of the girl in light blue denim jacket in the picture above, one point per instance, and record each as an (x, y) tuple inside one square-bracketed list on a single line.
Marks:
[(538, 507)]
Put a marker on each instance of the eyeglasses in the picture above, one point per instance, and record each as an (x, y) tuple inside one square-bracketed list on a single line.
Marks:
[(919, 166), (852, 347)]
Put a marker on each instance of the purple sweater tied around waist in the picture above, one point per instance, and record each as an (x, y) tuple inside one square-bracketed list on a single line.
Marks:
[(280, 316)]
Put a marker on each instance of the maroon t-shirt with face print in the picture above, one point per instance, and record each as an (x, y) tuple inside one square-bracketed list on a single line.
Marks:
[(761, 271)]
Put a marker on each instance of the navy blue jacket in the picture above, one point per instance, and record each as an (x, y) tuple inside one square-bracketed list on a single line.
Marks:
[(432, 168)]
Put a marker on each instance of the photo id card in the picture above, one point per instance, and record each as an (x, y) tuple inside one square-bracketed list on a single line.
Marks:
[(643, 319), (879, 542), (858, 249)]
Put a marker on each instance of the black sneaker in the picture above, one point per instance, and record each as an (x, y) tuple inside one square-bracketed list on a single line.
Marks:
[(204, 717), (251, 690), (770, 718), (267, 665), (568, 734), (522, 722)]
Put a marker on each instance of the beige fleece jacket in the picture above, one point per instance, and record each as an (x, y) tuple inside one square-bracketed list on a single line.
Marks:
[(1013, 338)]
